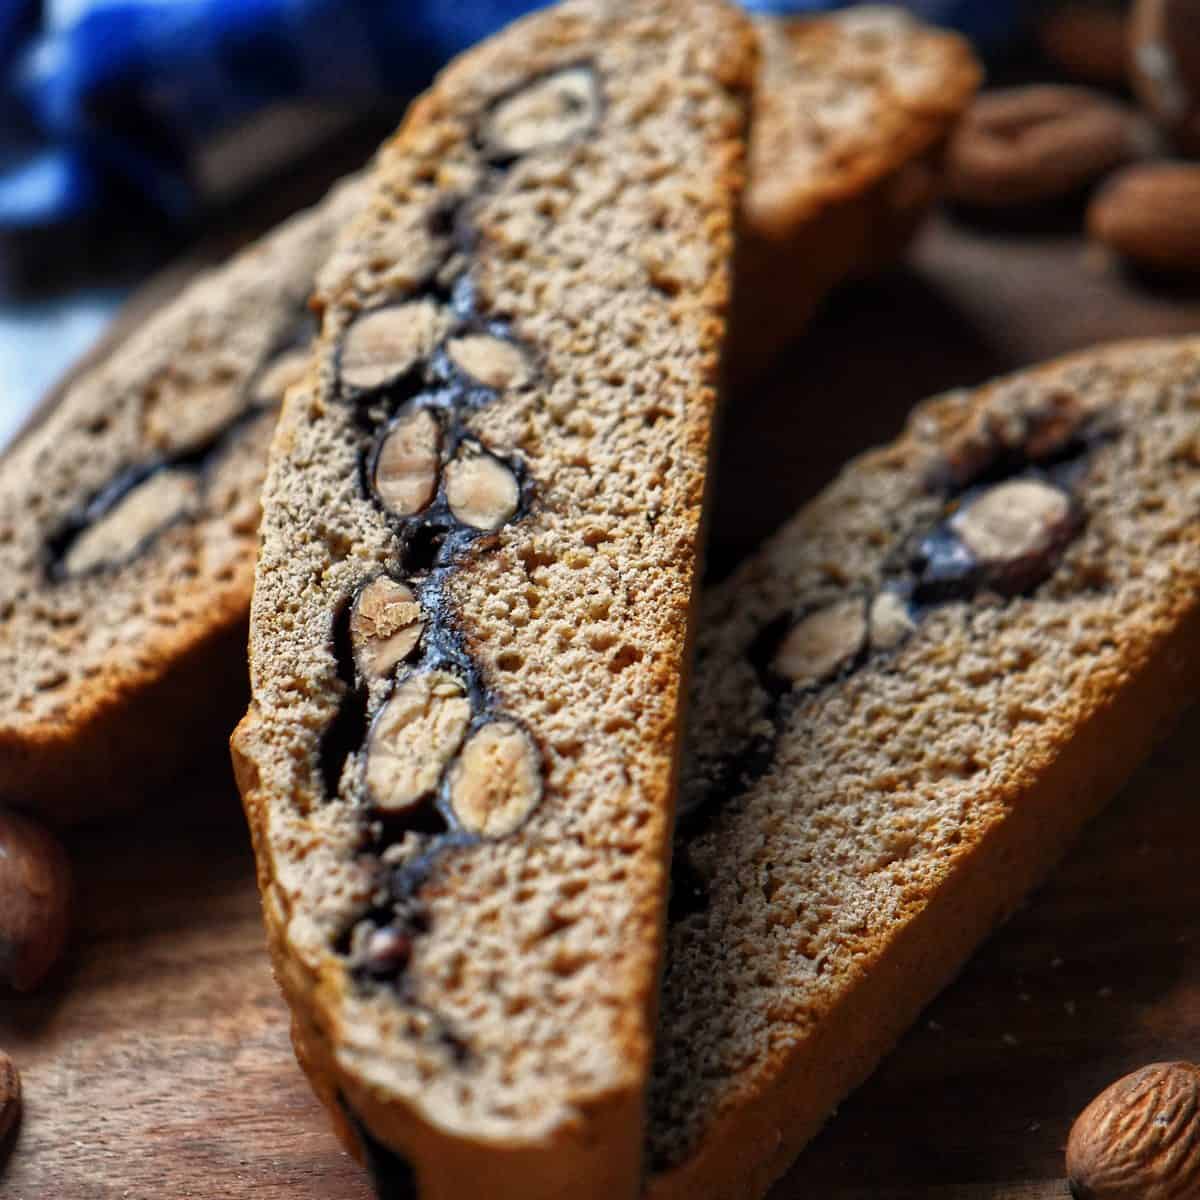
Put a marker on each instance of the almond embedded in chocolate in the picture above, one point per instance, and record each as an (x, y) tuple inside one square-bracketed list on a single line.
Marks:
[(481, 490), (405, 472), (386, 343), (496, 782), (1014, 530), (823, 643), (492, 361), (548, 112), (415, 735), (161, 499), (890, 621), (385, 626)]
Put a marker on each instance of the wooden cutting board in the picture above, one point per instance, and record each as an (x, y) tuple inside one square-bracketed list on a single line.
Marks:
[(157, 1066)]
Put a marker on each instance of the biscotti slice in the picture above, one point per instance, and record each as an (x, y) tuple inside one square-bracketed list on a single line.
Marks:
[(472, 600), (851, 117), (904, 708), (128, 523)]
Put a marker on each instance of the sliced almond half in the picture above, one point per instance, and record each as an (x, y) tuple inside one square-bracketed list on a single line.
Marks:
[(823, 643), (482, 491), (386, 343), (385, 626), (405, 474), (417, 732), (496, 783)]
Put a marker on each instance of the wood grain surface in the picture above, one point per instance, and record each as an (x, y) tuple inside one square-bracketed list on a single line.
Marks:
[(157, 1065)]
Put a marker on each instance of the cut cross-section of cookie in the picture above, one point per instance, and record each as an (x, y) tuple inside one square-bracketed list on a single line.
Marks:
[(848, 88), (846, 846), (128, 529), (407, 461), (463, 840)]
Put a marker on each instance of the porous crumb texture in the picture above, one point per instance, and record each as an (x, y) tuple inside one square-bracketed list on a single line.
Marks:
[(851, 115), (462, 810), (128, 525), (903, 708)]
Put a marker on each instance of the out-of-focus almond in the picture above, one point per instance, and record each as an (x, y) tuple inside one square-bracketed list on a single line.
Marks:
[(1030, 145), (35, 895), (1150, 215)]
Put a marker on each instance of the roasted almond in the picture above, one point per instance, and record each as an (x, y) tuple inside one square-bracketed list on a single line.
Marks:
[(1140, 1138), (35, 895), (1028, 145), (1150, 215)]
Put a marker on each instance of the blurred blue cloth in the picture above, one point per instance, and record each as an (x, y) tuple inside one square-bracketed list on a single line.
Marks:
[(103, 102)]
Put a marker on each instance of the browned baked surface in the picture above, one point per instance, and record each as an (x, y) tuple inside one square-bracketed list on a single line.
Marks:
[(128, 523), (473, 596), (852, 112), (904, 708)]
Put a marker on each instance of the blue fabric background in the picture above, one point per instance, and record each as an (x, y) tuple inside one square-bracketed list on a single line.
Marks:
[(103, 101)]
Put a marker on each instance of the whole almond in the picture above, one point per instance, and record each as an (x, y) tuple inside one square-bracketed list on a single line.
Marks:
[(35, 892), (1150, 214), (1029, 145), (1165, 66), (1140, 1138)]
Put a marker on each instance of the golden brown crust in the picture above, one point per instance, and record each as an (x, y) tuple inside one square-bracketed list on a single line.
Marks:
[(852, 115), (887, 907), (513, 1043)]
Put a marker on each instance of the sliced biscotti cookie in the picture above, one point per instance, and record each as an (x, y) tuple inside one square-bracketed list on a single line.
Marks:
[(473, 596), (128, 523), (903, 709), (851, 117)]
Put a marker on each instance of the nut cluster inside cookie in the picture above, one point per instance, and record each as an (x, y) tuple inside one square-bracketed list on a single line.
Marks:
[(1010, 507), (123, 519), (420, 742)]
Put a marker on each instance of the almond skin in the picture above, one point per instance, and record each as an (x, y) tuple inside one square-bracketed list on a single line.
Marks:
[(1031, 145), (1140, 1138), (1150, 215), (35, 895)]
